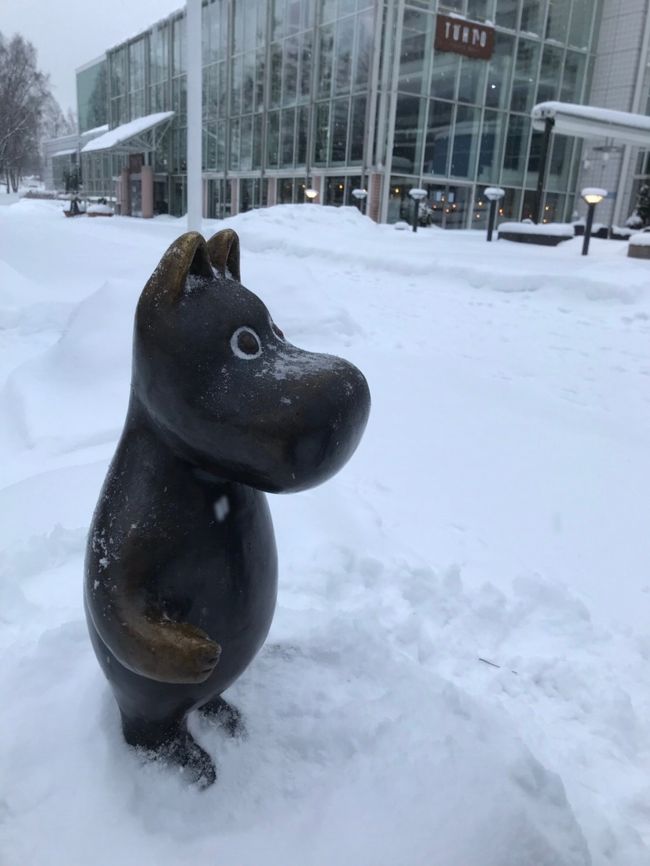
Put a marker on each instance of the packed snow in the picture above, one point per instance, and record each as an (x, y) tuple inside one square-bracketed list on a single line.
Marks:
[(457, 672)]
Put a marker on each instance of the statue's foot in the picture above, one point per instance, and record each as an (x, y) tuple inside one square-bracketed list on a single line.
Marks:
[(175, 747), (194, 763), (226, 715)]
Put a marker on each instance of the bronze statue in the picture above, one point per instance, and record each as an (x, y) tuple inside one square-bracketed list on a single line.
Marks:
[(181, 565)]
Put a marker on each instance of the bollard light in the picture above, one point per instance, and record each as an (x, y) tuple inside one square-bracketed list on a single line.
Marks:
[(493, 194), (311, 194), (417, 194), (591, 195), (361, 195)]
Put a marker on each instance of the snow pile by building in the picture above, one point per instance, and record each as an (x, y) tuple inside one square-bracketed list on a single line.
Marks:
[(457, 670)]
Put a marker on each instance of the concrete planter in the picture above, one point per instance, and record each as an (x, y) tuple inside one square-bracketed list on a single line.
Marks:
[(544, 240)]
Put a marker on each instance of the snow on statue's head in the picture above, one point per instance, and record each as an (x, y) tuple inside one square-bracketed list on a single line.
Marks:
[(226, 389)]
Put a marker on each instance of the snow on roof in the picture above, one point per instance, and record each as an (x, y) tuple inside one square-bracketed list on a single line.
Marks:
[(65, 152), (589, 121), (123, 133), (96, 130)]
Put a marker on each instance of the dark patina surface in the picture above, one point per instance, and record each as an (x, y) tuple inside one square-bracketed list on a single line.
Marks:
[(181, 564)]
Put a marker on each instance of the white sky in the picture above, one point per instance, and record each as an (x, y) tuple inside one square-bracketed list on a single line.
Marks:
[(69, 33)]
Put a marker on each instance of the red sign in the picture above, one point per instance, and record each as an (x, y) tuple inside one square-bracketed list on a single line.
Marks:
[(464, 37)]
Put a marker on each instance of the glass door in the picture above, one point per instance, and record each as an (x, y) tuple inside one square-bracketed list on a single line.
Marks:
[(449, 204)]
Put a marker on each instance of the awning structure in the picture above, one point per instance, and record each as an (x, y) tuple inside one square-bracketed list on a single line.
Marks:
[(136, 136), (65, 152), (587, 121)]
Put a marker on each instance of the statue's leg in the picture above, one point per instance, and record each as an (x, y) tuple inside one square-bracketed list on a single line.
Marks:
[(226, 715), (171, 742)]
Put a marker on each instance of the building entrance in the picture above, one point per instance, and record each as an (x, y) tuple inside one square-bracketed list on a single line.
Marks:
[(449, 204)]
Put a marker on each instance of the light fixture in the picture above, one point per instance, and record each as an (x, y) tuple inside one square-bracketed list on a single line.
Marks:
[(417, 194), (360, 195), (493, 194), (591, 195), (311, 194)]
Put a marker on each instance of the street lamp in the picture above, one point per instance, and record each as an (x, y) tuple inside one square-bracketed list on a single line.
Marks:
[(310, 194), (361, 195), (592, 196), (494, 194), (417, 195)]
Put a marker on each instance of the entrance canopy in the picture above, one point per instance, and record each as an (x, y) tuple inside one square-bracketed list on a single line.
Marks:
[(136, 136), (587, 121)]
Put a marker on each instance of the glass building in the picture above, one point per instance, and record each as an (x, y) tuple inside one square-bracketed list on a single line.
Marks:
[(339, 94)]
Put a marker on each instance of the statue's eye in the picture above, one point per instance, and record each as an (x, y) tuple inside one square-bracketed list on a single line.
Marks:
[(246, 344), (277, 331)]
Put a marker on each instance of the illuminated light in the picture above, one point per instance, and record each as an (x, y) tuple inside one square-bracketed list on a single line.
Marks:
[(397, 189), (480, 204), (547, 207)]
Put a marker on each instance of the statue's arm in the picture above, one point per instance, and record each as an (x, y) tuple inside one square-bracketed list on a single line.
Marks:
[(142, 638)]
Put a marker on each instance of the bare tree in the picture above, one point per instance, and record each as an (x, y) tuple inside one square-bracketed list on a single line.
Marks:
[(24, 91)]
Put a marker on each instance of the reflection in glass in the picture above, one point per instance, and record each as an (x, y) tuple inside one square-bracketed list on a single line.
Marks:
[(465, 147), (334, 191), (286, 136), (532, 16), (436, 147), (498, 83), (489, 160), (357, 128), (339, 129), (557, 20), (408, 120), (412, 51), (398, 199), (548, 75), (480, 9), (515, 149), (560, 161), (507, 13), (580, 28), (246, 143), (524, 75), (472, 80), (273, 138), (573, 77), (325, 62), (444, 75), (291, 49), (364, 50), (344, 41), (321, 133)]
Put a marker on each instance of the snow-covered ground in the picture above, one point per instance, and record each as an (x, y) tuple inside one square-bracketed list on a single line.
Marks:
[(459, 668)]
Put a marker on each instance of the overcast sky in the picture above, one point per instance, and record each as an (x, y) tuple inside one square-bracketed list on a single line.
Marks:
[(69, 33)]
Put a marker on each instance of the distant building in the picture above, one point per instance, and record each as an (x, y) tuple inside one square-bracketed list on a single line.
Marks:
[(381, 94)]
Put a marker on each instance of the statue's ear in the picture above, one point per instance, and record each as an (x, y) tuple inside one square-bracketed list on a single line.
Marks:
[(187, 255), (224, 253)]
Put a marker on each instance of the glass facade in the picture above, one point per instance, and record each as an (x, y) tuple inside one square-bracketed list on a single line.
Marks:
[(92, 96), (339, 93)]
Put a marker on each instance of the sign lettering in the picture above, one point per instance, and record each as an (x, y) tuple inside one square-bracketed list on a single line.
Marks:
[(469, 38)]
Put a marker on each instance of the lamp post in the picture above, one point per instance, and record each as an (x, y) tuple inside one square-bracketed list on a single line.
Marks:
[(592, 196), (417, 195), (493, 194), (311, 194), (361, 195)]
